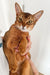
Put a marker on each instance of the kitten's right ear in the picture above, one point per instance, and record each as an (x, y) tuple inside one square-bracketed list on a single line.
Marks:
[(18, 9)]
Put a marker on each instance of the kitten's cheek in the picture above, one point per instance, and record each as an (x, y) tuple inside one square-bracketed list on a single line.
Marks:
[(30, 27)]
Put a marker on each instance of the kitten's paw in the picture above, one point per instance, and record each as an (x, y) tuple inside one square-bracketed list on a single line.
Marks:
[(13, 69)]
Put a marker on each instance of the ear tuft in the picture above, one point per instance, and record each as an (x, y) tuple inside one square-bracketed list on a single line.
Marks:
[(37, 15), (17, 8)]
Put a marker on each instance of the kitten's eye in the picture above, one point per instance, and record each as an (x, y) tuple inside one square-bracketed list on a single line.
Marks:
[(29, 22), (20, 19)]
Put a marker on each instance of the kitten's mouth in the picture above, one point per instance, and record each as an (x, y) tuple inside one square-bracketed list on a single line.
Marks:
[(24, 29)]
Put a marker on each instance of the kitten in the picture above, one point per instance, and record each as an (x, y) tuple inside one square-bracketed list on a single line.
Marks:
[(16, 39), (26, 20)]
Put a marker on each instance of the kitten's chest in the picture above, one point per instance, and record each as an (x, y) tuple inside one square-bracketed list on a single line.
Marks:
[(16, 31)]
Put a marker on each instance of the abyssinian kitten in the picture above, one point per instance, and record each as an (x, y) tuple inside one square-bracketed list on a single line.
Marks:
[(16, 39)]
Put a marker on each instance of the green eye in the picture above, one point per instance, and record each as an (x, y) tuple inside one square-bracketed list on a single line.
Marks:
[(29, 22), (20, 19)]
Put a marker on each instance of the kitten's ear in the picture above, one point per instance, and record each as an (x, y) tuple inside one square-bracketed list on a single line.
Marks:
[(37, 15), (17, 8)]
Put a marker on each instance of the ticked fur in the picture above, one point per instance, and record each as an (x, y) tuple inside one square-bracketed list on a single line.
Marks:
[(15, 39), (26, 21)]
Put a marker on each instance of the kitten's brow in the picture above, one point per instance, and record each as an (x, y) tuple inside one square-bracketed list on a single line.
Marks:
[(27, 15)]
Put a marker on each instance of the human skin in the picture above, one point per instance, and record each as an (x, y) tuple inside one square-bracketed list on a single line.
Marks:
[(35, 71)]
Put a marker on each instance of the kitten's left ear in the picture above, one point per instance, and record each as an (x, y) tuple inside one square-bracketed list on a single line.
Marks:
[(37, 15), (18, 9)]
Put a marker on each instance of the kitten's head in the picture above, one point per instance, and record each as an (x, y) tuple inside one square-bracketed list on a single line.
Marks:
[(26, 21)]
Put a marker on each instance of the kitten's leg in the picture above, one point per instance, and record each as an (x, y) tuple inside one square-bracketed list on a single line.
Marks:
[(25, 70), (11, 57), (22, 45), (10, 73)]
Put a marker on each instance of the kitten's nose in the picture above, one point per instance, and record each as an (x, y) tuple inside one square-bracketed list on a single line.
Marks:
[(23, 26)]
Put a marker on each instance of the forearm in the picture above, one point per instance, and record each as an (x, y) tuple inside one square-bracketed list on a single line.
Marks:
[(34, 69)]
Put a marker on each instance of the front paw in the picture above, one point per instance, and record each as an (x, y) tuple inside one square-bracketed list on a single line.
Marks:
[(13, 69)]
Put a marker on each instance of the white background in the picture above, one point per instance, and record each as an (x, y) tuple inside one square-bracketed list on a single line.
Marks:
[(40, 35)]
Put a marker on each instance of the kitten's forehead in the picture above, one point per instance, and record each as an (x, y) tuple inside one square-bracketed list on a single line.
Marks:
[(27, 15)]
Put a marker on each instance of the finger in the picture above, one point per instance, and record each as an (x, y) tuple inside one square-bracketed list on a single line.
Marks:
[(33, 67), (29, 44), (28, 38), (27, 50), (27, 57)]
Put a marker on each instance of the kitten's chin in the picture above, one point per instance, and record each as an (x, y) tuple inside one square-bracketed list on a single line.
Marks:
[(24, 30)]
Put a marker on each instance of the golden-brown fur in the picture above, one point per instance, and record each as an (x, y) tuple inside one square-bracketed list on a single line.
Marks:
[(10, 42), (15, 38)]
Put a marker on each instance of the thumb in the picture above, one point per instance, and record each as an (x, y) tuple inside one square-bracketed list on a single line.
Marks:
[(27, 57)]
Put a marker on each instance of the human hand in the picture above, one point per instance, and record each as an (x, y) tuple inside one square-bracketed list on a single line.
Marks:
[(28, 46)]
